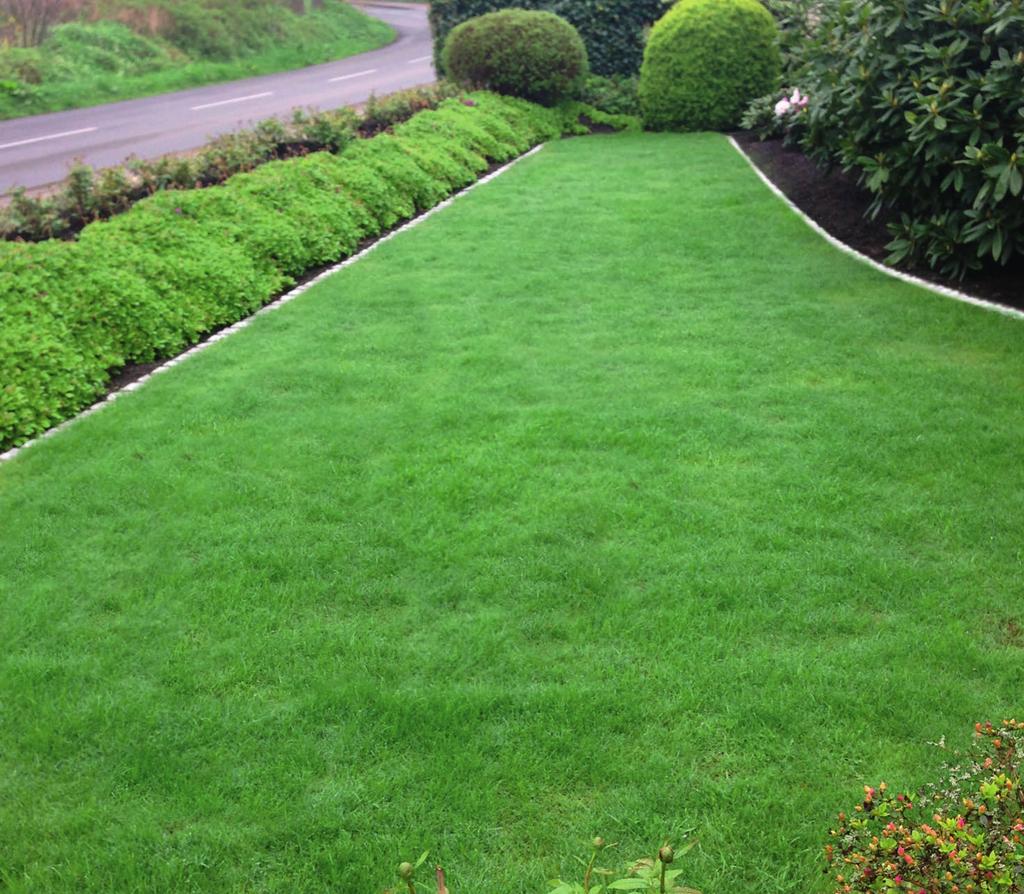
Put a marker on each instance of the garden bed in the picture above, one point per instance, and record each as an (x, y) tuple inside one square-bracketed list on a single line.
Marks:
[(834, 200)]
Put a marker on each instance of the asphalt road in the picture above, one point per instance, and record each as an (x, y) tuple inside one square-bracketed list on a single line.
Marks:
[(36, 151)]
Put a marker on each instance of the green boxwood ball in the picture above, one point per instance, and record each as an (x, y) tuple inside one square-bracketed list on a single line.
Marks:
[(535, 55), (705, 61)]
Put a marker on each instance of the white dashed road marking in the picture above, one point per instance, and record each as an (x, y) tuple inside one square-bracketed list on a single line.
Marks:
[(224, 102), (357, 74), (52, 136)]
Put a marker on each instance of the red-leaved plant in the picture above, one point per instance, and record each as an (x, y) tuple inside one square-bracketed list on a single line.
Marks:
[(963, 836)]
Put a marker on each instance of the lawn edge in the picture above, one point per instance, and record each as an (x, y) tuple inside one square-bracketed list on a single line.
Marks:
[(277, 303), (944, 291)]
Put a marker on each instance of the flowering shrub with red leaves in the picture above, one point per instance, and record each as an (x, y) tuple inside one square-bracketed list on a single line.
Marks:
[(965, 836)]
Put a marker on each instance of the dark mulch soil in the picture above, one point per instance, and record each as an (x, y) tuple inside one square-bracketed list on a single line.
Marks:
[(834, 201)]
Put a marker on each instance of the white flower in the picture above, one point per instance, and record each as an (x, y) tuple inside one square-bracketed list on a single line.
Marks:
[(782, 107)]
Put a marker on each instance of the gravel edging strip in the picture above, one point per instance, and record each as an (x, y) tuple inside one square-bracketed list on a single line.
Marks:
[(852, 252), (267, 308)]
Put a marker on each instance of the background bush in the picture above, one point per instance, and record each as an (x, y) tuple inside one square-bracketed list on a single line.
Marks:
[(706, 60), (616, 95), (533, 55), (926, 101), (612, 30), (798, 22), (153, 280)]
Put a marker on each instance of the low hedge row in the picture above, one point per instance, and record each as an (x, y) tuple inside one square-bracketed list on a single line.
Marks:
[(147, 283), (90, 194)]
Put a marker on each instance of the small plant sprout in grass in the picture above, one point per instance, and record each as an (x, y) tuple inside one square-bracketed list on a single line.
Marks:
[(645, 874), (407, 873)]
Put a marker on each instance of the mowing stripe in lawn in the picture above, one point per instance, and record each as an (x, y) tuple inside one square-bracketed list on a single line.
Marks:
[(610, 501), (290, 295)]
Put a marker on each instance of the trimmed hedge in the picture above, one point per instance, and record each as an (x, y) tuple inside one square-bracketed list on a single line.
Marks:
[(152, 281), (612, 30), (519, 52), (89, 194), (705, 62)]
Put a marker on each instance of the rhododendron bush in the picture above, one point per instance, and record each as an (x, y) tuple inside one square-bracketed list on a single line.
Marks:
[(925, 101), (964, 835)]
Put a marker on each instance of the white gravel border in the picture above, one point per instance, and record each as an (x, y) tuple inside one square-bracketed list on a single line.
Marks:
[(889, 271), (267, 308)]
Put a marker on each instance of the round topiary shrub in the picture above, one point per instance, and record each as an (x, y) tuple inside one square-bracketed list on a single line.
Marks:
[(535, 55), (705, 61)]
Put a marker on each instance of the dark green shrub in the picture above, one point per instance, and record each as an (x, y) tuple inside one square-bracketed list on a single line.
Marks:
[(616, 95), (706, 60), (926, 101), (533, 55), (782, 114), (612, 30), (798, 22)]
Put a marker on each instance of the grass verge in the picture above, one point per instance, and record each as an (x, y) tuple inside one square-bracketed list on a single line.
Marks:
[(83, 65), (503, 538)]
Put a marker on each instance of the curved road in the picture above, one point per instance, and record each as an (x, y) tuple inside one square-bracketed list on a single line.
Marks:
[(36, 151)]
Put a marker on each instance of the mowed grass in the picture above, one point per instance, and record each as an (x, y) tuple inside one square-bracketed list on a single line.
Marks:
[(609, 501)]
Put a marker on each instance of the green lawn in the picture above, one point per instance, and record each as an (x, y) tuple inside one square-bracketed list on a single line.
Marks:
[(610, 500)]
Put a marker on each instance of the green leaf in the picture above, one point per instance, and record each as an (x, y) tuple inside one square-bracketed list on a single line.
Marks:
[(1016, 181), (686, 848)]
